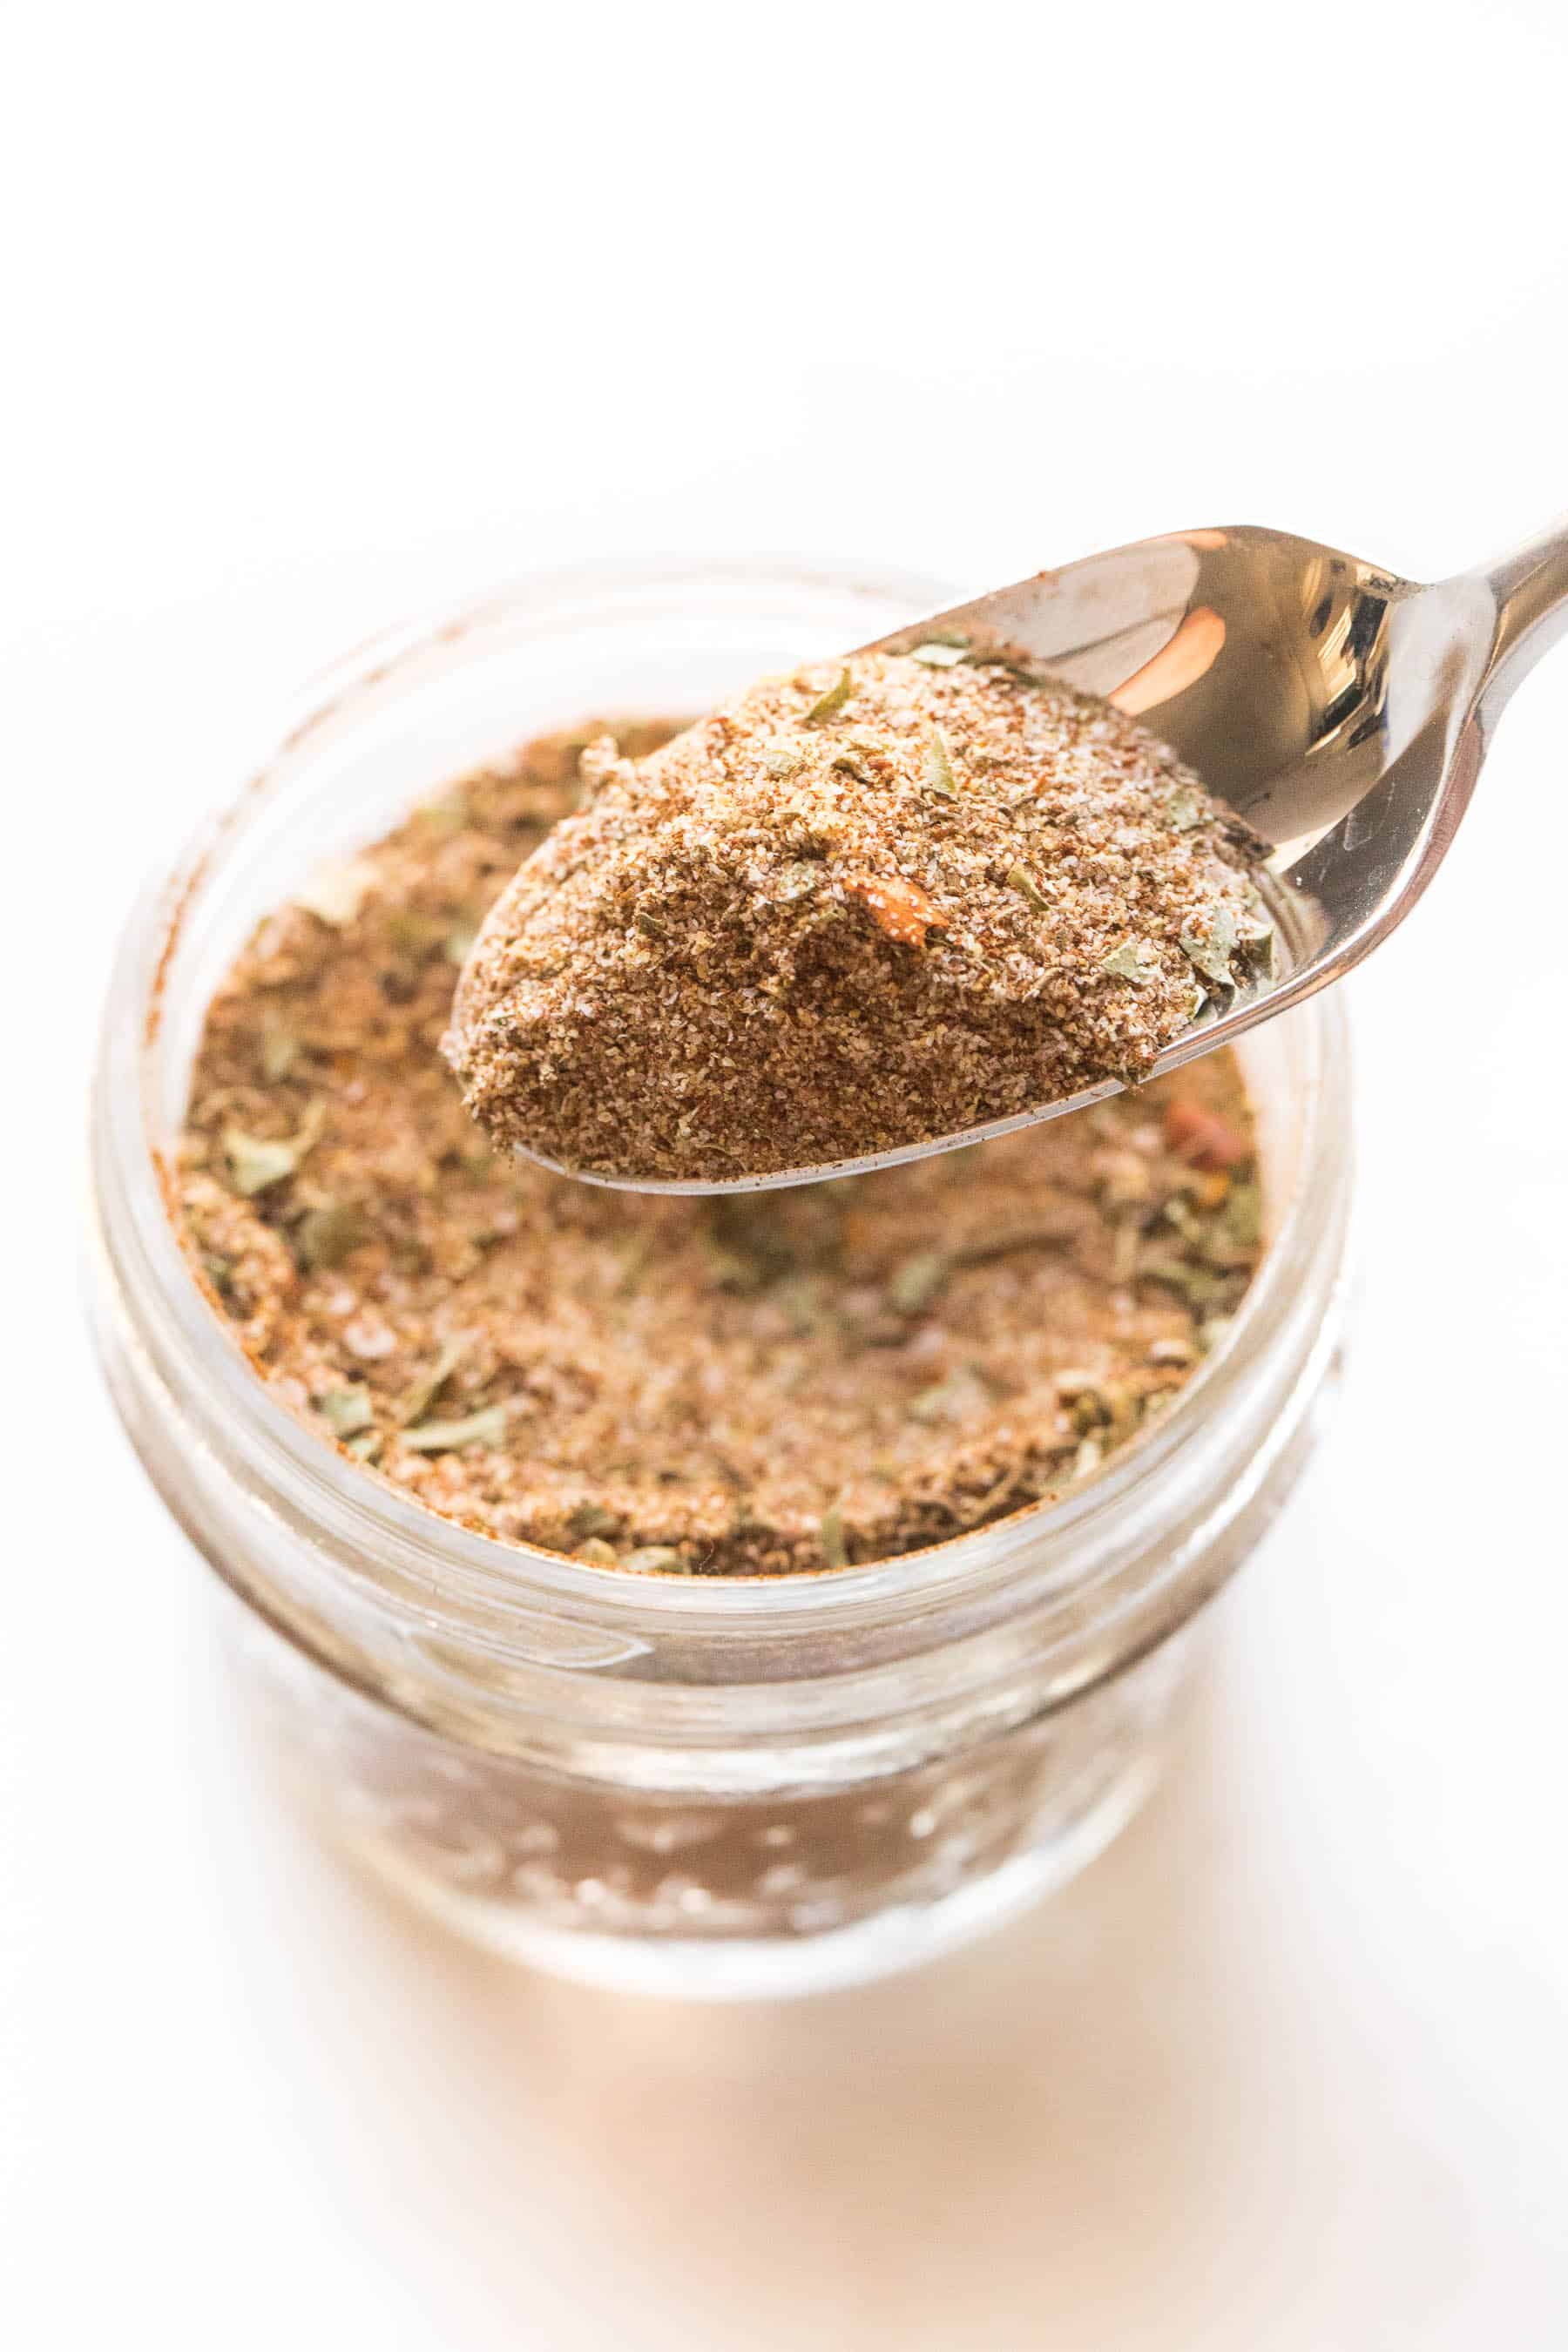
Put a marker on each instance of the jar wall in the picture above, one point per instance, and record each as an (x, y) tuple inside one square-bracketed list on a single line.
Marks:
[(645, 1882), (654, 1889)]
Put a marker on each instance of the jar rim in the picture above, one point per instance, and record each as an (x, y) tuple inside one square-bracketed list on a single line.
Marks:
[(365, 1518)]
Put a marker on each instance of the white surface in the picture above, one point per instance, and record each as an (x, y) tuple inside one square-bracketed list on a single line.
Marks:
[(318, 314)]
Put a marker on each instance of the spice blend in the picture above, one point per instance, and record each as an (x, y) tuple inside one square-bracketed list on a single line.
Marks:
[(763, 1382), (859, 907)]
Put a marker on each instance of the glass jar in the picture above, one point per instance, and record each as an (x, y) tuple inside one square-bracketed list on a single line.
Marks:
[(695, 1786)]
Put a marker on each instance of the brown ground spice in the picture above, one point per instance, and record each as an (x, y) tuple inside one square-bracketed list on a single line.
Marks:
[(770, 1381), (859, 907)]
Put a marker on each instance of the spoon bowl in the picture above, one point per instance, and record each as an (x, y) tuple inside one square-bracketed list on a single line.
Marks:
[(1341, 711)]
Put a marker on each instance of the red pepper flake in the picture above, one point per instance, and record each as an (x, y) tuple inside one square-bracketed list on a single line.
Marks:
[(900, 908), (1205, 1138)]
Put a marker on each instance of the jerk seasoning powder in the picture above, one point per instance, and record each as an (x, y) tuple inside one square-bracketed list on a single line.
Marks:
[(858, 907), (781, 1381)]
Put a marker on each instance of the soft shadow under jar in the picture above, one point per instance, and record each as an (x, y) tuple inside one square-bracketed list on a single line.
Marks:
[(701, 1786)]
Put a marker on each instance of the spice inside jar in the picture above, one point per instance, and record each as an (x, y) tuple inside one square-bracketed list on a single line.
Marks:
[(773, 1383)]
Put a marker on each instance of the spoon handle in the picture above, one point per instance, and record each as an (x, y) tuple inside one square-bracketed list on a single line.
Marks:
[(1530, 589)]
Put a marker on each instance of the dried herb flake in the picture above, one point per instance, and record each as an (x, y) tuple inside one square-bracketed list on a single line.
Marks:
[(415, 933), (837, 696), (1133, 960), (915, 1284), (335, 893), (280, 1050), (962, 1392), (1242, 1216), (256, 1162), (937, 774), (487, 1427), (1212, 954), (346, 1410), (325, 1237), (418, 1399), (655, 1559)]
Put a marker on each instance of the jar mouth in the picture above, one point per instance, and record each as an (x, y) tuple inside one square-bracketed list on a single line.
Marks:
[(139, 1094)]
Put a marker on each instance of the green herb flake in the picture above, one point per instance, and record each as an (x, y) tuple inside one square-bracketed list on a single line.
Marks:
[(484, 1428), (918, 1281), (256, 1162), (1089, 1410), (1242, 1215), (219, 1272), (598, 1553), (780, 760), (1185, 809), (799, 1297), (280, 1050), (938, 776), (830, 1535), (854, 765), (937, 654), (731, 1268), (1196, 1283), (656, 1560), (1027, 888), (1133, 959), (447, 814), (962, 1392), (650, 925), (592, 1519), (418, 1399), (837, 696), (415, 933), (799, 877), (1212, 954), (346, 1410), (1178, 1211), (335, 893), (366, 1447), (325, 1237)]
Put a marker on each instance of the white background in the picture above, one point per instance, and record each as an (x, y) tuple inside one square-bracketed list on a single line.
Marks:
[(313, 315)]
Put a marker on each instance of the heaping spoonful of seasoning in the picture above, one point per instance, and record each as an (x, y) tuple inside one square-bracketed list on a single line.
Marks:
[(1043, 844)]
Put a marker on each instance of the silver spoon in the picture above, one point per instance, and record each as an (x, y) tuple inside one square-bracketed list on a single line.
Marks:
[(1343, 711)]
